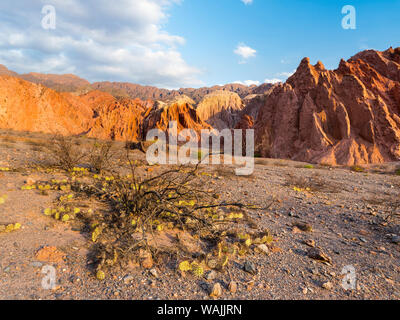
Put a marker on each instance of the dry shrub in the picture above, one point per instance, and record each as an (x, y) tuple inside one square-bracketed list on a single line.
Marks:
[(100, 156), (69, 152), (66, 154), (142, 208), (144, 211)]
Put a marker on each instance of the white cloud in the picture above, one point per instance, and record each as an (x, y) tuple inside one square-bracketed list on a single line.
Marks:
[(281, 77), (121, 40), (245, 52), (246, 2), (248, 82), (274, 80), (286, 74)]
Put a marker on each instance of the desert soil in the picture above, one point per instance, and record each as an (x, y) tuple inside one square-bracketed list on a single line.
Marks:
[(353, 217)]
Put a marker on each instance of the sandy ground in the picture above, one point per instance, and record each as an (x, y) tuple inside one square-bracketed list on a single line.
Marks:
[(347, 211)]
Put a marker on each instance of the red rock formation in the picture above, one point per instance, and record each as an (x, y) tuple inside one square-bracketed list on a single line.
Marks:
[(119, 120), (97, 100), (221, 109), (346, 116), (198, 94), (26, 106), (179, 110), (115, 119), (350, 115), (247, 122)]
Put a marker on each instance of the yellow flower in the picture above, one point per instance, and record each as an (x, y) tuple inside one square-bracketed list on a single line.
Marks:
[(197, 270), (100, 275), (185, 266), (96, 234), (17, 226), (248, 242)]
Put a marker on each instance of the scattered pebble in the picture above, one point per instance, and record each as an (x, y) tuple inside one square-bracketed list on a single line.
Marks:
[(232, 287), (154, 273), (211, 275), (319, 255), (128, 279), (306, 227), (327, 285), (310, 243), (250, 268), (216, 291), (263, 248)]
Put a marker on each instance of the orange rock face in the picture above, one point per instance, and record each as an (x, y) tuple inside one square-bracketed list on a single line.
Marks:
[(346, 116), (119, 120), (181, 111), (220, 109), (114, 119), (26, 106), (247, 122), (29, 107)]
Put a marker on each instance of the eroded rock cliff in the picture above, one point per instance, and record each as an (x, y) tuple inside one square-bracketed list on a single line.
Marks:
[(346, 116)]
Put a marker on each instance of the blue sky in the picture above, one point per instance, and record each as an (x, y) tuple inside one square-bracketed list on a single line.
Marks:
[(189, 43), (282, 32)]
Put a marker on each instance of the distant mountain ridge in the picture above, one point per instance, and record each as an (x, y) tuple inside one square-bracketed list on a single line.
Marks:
[(74, 84)]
